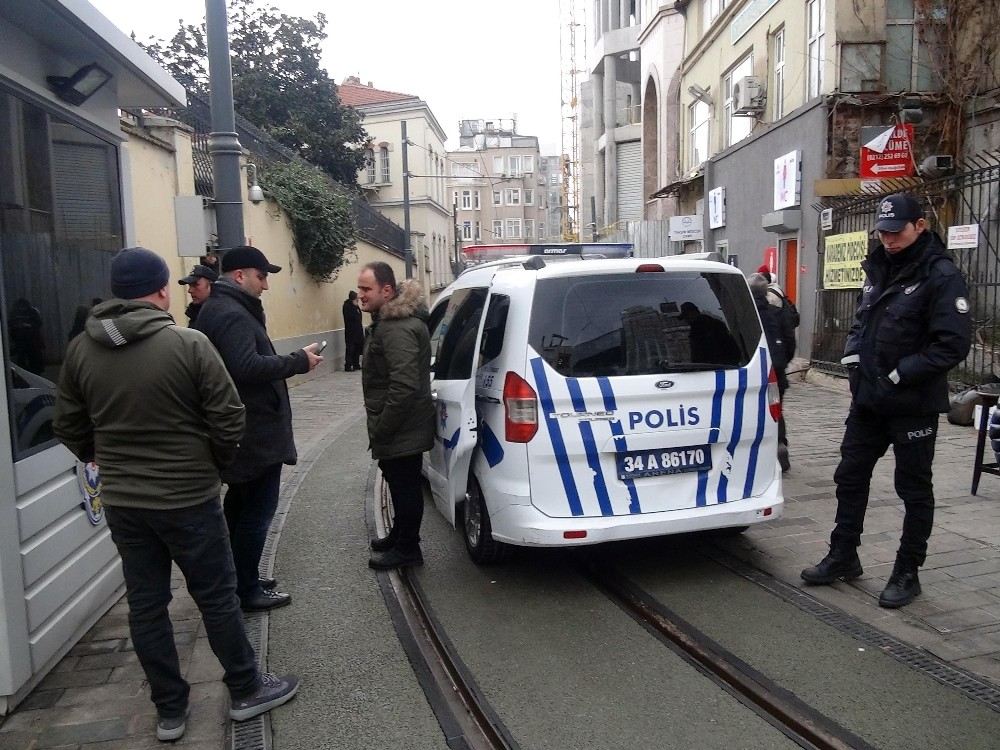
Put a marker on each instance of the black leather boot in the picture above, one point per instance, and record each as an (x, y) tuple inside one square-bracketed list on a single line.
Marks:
[(397, 557), (903, 586), (384, 543), (839, 564)]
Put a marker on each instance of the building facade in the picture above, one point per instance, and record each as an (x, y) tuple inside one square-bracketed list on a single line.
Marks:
[(431, 222), (497, 185), (611, 118)]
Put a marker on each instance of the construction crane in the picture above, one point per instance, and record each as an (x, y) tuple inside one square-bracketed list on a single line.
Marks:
[(571, 39)]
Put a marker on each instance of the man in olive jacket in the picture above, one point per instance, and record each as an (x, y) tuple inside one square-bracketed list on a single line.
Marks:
[(151, 403), (233, 319), (396, 379)]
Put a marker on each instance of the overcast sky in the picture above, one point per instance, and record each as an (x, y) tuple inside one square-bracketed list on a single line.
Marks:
[(468, 59)]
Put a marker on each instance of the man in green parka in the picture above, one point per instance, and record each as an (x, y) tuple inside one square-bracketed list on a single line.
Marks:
[(396, 378)]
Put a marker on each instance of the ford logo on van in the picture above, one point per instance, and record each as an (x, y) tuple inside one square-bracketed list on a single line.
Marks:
[(664, 384)]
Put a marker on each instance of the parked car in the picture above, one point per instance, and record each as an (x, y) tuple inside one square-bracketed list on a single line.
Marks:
[(588, 400)]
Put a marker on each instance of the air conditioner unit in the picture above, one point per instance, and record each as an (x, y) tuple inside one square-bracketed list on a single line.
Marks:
[(749, 96)]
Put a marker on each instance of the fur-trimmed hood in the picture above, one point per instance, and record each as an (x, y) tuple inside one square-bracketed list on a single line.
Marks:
[(408, 302)]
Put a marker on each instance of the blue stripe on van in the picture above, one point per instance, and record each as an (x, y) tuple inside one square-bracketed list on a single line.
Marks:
[(701, 498), (734, 440), (593, 459), (610, 404), (761, 412), (490, 444), (555, 435)]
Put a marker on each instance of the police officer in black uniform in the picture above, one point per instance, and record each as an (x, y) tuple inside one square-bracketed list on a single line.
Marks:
[(911, 327)]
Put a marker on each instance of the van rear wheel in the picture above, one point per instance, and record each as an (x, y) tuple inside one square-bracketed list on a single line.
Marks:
[(476, 529)]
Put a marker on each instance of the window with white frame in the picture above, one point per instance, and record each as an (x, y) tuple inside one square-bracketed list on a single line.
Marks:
[(498, 165), (479, 233), (370, 162), (512, 196), (454, 198), (514, 168), (528, 163), (529, 229), (815, 49), (466, 200), (913, 39), (498, 229), (699, 117), (512, 229), (383, 153), (475, 200), (529, 196), (497, 198), (541, 230), (710, 10), (735, 127), (466, 230), (778, 74)]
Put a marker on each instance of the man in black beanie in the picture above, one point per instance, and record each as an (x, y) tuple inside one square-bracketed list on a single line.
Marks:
[(152, 405)]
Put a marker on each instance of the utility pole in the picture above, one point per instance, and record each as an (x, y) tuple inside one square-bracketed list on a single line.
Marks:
[(223, 142), (406, 203)]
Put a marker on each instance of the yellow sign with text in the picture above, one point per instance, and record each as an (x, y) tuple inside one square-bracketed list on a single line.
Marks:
[(842, 260)]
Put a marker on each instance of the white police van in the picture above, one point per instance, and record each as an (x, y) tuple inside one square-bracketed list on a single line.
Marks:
[(593, 399)]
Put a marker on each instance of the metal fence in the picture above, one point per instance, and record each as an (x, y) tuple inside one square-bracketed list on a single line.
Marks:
[(371, 225), (971, 196)]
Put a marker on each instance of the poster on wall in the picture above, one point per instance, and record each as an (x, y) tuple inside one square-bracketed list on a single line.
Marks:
[(717, 208), (787, 180), (842, 260)]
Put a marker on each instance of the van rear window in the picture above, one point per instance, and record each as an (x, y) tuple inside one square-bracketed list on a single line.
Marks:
[(644, 323)]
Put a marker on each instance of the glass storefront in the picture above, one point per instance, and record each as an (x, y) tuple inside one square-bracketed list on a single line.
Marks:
[(60, 225)]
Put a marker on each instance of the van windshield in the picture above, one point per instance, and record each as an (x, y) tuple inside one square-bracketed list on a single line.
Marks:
[(644, 323)]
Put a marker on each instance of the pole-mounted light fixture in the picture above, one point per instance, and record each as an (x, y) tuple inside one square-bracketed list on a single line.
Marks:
[(79, 87)]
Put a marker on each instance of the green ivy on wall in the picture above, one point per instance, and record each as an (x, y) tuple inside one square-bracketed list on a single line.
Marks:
[(322, 217)]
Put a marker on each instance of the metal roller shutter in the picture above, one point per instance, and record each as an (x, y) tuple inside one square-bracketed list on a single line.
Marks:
[(630, 180)]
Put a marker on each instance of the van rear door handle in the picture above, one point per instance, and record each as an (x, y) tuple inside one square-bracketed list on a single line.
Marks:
[(488, 399)]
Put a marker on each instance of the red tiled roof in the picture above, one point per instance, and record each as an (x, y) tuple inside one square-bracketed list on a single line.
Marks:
[(358, 95)]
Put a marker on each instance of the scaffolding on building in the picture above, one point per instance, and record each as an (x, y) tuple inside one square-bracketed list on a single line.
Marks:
[(572, 36)]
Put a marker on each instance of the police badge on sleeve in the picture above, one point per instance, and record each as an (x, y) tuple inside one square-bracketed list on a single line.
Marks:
[(89, 476), (962, 305)]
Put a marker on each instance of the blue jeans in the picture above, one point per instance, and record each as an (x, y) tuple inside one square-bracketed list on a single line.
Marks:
[(196, 539), (249, 508)]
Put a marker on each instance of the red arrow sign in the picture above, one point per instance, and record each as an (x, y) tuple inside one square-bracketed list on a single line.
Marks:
[(895, 158)]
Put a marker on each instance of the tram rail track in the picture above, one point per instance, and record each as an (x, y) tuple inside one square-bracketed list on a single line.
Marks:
[(782, 709)]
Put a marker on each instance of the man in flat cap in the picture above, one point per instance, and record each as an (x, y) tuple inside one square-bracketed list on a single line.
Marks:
[(233, 319), (152, 405), (910, 328), (199, 283)]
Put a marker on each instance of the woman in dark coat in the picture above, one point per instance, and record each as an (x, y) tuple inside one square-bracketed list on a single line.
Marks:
[(354, 333), (778, 332)]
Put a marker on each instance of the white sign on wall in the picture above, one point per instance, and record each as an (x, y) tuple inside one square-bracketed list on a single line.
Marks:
[(962, 236), (717, 208), (683, 228), (787, 180)]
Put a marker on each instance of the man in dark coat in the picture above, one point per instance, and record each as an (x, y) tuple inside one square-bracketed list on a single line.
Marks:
[(199, 283), (777, 330), (397, 385), (233, 319), (354, 333), (911, 327)]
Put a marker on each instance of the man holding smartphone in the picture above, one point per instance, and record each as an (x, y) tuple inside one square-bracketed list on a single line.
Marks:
[(233, 319)]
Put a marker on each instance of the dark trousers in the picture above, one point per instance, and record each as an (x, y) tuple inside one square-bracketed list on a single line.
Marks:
[(866, 439), (196, 539), (406, 487), (250, 508), (352, 354)]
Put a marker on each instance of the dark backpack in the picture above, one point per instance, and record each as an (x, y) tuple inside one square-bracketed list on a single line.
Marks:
[(789, 310)]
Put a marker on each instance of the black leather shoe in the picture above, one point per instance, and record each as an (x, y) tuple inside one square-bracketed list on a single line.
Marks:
[(903, 586), (268, 583), (266, 600), (396, 558), (383, 543), (783, 458), (836, 565)]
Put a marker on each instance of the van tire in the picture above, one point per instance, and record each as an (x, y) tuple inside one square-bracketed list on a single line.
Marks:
[(476, 529)]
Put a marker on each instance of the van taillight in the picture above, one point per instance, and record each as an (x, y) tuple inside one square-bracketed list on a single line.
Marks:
[(773, 395), (520, 404)]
